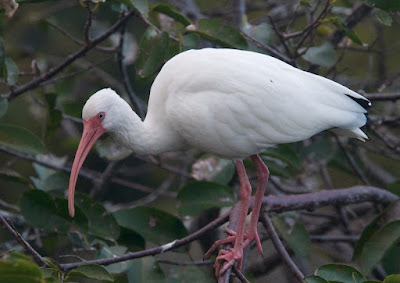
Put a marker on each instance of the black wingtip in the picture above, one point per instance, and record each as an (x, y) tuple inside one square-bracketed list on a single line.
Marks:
[(365, 103)]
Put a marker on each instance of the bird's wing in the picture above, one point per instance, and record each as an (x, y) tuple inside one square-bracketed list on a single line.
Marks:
[(239, 103)]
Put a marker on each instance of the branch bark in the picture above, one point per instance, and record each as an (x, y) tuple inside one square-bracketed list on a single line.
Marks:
[(70, 59), (277, 204)]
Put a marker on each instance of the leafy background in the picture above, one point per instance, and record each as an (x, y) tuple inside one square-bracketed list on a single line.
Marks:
[(55, 54)]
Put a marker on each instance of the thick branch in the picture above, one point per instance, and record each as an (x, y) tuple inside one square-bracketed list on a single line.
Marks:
[(282, 203)]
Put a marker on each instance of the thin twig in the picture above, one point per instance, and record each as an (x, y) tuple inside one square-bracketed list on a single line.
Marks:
[(9, 206), (88, 24), (125, 77), (239, 274), (76, 40), (161, 190), (183, 263), (153, 251), (281, 38), (359, 12), (383, 96), (326, 238), (266, 221), (269, 49), (282, 203), (68, 61), (315, 23), (36, 256), (352, 162)]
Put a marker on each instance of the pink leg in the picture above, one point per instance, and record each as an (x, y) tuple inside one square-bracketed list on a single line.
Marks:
[(240, 238), (225, 258), (262, 174)]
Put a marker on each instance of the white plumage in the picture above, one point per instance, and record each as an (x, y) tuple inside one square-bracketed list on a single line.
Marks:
[(229, 103)]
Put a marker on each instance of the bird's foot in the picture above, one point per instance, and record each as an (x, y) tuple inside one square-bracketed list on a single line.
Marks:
[(228, 240), (227, 259), (252, 235), (249, 236)]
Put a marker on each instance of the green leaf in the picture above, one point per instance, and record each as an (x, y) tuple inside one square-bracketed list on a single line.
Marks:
[(349, 33), (296, 236), (20, 270), (170, 11), (2, 57), (153, 53), (196, 197), (315, 279), (211, 168), (142, 6), (13, 176), (305, 3), (390, 261), (340, 273), (378, 230), (3, 106), (145, 270), (20, 139), (12, 71), (54, 116), (187, 273), (387, 5), (191, 41), (57, 181), (108, 148), (394, 278), (215, 31), (114, 251), (323, 55), (285, 153), (262, 32), (101, 223), (383, 17), (50, 213), (394, 188), (379, 244), (152, 224), (92, 271), (131, 239)]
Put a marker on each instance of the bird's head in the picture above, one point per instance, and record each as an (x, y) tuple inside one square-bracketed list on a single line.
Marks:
[(99, 115)]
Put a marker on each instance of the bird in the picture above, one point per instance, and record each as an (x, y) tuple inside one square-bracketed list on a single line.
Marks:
[(229, 103)]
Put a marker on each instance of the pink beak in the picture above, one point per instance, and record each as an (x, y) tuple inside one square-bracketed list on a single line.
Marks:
[(92, 130)]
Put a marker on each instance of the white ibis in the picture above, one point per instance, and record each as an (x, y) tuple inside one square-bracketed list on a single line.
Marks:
[(229, 103)]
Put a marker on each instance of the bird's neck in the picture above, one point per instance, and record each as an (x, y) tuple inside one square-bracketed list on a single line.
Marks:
[(148, 137)]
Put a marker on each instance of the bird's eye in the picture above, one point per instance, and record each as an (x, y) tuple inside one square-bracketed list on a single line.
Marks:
[(101, 116)]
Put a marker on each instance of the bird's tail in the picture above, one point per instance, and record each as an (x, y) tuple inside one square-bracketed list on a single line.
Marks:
[(353, 133)]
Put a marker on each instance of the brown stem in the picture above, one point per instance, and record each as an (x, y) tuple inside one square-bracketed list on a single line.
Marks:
[(266, 221), (36, 256), (70, 59)]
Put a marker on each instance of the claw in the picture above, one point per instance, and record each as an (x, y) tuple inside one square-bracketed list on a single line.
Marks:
[(228, 240), (226, 259)]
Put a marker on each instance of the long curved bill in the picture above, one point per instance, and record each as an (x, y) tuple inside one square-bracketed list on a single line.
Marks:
[(90, 134)]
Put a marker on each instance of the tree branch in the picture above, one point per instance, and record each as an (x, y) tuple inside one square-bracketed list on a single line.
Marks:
[(360, 11), (125, 77), (266, 221), (277, 204), (71, 58), (36, 256)]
